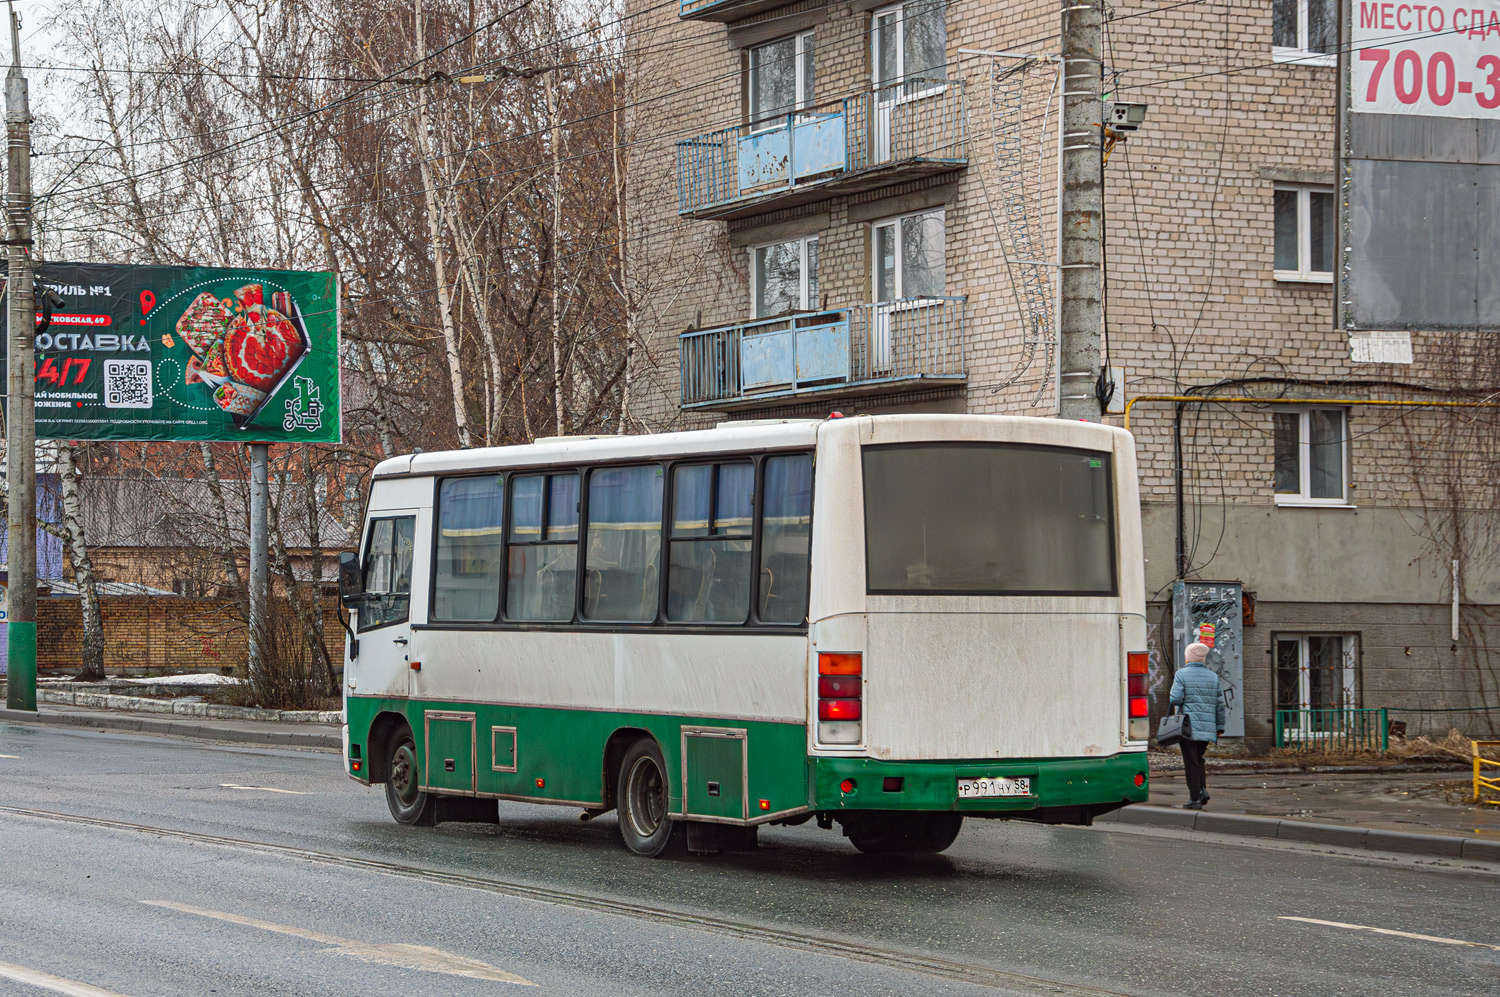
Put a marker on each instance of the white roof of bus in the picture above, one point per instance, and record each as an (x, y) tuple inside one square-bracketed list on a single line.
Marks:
[(729, 436)]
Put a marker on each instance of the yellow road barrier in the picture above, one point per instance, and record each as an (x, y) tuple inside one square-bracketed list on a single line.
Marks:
[(1482, 781)]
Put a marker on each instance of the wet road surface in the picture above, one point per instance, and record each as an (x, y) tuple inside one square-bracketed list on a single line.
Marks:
[(278, 875)]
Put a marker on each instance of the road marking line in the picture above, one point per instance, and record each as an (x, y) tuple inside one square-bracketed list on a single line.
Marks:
[(37, 978), (17, 757), (1389, 931), (262, 789), (396, 954)]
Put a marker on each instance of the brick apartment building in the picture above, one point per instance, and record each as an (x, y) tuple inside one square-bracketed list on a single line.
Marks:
[(850, 179)]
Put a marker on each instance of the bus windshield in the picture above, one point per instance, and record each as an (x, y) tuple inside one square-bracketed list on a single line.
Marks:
[(988, 519)]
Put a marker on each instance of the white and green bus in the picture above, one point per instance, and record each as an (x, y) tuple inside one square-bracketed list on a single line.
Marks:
[(886, 622)]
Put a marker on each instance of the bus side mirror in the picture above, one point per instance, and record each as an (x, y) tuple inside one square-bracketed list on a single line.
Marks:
[(351, 581)]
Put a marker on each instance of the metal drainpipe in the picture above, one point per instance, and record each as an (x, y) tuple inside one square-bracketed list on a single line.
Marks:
[(1177, 467)]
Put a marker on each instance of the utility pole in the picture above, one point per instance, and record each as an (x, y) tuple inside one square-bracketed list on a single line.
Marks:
[(20, 415), (260, 552), (1081, 241)]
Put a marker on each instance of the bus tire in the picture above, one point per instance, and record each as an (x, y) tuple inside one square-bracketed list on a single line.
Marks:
[(906, 834), (408, 802), (641, 799)]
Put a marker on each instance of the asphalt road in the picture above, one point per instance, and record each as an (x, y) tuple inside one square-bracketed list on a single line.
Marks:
[(133, 865)]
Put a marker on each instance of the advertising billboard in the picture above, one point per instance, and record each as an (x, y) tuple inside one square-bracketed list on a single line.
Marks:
[(1419, 172), (187, 353)]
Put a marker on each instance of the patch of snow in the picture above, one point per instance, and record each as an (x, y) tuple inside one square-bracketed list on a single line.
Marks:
[(197, 678)]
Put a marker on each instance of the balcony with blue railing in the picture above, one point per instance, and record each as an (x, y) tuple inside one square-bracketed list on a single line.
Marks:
[(882, 136), (723, 10), (865, 349)]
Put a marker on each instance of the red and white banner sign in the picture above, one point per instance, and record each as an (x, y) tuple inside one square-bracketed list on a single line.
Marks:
[(1440, 59)]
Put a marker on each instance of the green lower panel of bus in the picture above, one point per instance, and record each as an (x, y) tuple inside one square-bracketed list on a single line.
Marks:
[(735, 770), (726, 770), (871, 784)]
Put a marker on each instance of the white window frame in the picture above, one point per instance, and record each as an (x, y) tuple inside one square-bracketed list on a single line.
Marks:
[(803, 87), (898, 83), (804, 271), (1303, 274), (1300, 55), (1304, 460), (1349, 679), (894, 223)]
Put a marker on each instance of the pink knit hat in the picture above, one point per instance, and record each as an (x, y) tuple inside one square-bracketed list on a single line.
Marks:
[(1196, 652)]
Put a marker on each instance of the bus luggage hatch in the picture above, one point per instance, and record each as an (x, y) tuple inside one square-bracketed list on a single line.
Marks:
[(715, 772)]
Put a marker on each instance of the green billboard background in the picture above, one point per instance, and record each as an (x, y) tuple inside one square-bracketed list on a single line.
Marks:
[(188, 353)]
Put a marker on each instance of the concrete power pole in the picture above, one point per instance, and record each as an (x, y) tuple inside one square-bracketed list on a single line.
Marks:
[(1080, 310), (260, 554), (20, 422)]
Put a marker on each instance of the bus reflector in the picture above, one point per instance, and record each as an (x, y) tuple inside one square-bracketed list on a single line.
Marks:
[(838, 709), (356, 766), (838, 732), (1140, 778), (839, 664), (847, 786), (765, 804), (838, 686)]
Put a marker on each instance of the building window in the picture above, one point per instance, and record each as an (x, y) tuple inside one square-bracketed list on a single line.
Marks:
[(909, 43), (1316, 672), (1304, 31), (781, 79), (542, 563), (623, 583), (785, 276), (909, 257), (1304, 234), (1311, 448)]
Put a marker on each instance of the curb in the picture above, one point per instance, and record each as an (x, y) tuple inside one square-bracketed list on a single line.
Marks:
[(1452, 846), (180, 728), (140, 704)]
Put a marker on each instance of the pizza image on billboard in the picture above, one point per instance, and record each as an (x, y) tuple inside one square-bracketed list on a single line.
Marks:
[(243, 349)]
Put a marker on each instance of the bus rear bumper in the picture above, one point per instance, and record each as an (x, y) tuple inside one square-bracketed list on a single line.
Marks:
[(1063, 790)]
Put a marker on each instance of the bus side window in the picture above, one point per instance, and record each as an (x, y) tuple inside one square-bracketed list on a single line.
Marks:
[(467, 584), (785, 538), (543, 554), (708, 577), (388, 558), (624, 544)]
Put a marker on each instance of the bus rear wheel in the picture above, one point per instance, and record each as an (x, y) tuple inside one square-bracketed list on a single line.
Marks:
[(403, 793), (641, 796), (909, 834)]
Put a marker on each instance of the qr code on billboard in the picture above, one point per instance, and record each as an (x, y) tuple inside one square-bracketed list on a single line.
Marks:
[(127, 384)]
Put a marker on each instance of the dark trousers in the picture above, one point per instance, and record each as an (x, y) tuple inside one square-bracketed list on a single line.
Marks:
[(1192, 761)]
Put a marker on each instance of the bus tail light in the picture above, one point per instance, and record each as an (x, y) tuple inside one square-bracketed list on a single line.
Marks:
[(840, 698), (1138, 707)]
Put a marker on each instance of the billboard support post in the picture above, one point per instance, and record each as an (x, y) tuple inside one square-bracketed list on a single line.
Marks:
[(260, 551), (20, 424)]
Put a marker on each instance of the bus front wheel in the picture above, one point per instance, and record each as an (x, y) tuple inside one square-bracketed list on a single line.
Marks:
[(910, 834), (403, 793), (641, 799)]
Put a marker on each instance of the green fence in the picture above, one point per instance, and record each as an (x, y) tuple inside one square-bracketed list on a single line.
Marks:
[(1342, 730)]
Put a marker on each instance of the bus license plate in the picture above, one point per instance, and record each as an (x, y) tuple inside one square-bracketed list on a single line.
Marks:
[(970, 788)]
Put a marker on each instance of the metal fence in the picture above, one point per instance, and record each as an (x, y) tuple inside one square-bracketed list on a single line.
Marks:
[(1336, 731), (809, 351), (917, 120)]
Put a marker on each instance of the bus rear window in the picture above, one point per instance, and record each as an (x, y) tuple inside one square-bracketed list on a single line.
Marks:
[(988, 519)]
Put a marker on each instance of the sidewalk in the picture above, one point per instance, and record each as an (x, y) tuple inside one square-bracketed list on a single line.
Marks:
[(280, 733), (1410, 808)]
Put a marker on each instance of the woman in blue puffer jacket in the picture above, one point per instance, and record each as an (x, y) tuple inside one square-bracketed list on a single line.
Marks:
[(1197, 690)]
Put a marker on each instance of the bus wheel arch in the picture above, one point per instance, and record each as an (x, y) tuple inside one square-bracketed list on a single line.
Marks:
[(614, 753), (385, 728), (643, 800)]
